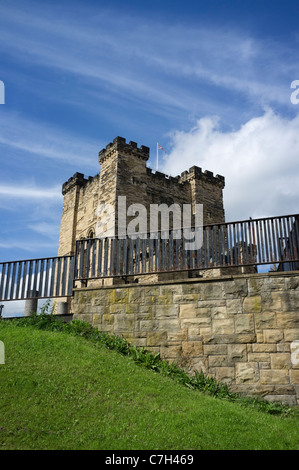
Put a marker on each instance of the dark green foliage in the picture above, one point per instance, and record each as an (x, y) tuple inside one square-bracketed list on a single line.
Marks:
[(199, 381)]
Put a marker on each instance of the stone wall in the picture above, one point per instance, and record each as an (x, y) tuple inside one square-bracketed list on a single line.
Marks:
[(242, 329)]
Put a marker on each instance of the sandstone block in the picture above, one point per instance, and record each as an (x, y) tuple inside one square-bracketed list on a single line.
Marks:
[(288, 319), (290, 301), (236, 353), (156, 338), (192, 348), (274, 376), (217, 361), (225, 374), (247, 372), (184, 298), (223, 327), (280, 361), (170, 352), (148, 325), (123, 323), (252, 304), (273, 336), (187, 311), (263, 348), (166, 311), (215, 349), (235, 289), (271, 301), (234, 306), (291, 334), (289, 400), (265, 320), (244, 323), (259, 357)]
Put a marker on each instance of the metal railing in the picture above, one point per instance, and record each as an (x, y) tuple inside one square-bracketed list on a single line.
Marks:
[(36, 278), (253, 242)]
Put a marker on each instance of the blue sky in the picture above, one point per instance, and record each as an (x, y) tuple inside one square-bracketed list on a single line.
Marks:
[(209, 80)]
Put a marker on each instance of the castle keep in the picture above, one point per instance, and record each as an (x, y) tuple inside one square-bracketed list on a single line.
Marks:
[(124, 173)]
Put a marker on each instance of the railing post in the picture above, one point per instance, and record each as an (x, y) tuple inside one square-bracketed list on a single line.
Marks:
[(31, 304)]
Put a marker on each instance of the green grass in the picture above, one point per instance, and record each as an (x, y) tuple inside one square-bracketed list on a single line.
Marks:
[(68, 389)]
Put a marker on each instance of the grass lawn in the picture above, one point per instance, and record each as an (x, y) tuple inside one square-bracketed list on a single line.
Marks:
[(60, 391)]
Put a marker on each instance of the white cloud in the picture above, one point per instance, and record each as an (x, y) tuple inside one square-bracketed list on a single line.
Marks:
[(17, 191), (259, 161)]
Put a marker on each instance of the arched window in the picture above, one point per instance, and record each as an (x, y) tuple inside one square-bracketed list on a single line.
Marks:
[(90, 234)]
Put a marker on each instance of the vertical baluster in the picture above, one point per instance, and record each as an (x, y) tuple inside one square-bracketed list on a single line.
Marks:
[(18, 286), (157, 257), (40, 286), (87, 261), (7, 284), (296, 237), (137, 255), (170, 251), (163, 252), (144, 255), (106, 251), (94, 255), (53, 273), (274, 242), (63, 276), (47, 270), (112, 256), (24, 280), (29, 285), (70, 275), (265, 241), (150, 254), (100, 257), (35, 276), (289, 237), (118, 255), (12, 284), (125, 257), (58, 276), (258, 244), (2, 281)]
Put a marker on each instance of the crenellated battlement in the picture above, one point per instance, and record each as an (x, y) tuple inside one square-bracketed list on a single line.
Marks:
[(186, 176), (76, 180), (196, 172), (162, 176), (119, 145)]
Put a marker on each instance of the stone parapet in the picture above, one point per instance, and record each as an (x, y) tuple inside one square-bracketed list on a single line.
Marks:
[(76, 180), (196, 173)]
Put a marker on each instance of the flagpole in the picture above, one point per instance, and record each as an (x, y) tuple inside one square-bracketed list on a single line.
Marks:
[(157, 165)]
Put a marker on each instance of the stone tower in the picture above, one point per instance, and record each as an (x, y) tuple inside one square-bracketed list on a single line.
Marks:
[(124, 173)]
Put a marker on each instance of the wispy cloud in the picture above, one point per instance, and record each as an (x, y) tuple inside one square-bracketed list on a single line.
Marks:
[(150, 62), (31, 193), (46, 141)]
